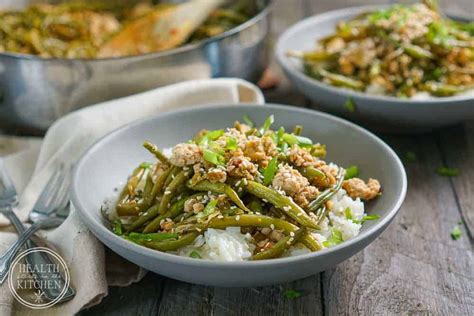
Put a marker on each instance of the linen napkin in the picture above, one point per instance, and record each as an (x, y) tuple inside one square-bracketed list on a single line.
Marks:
[(92, 269)]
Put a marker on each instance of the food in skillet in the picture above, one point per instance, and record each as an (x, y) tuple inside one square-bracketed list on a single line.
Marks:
[(244, 193), (407, 51), (87, 29)]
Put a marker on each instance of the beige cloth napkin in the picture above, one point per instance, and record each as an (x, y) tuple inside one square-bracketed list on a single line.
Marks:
[(93, 269)]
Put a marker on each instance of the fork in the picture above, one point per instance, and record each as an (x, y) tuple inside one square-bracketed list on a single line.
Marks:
[(57, 189)]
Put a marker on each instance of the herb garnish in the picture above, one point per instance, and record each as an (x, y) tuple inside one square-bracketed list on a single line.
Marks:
[(269, 171), (292, 294), (248, 121), (351, 172), (335, 239), (447, 172), (456, 233), (349, 105), (194, 254), (208, 210), (213, 157)]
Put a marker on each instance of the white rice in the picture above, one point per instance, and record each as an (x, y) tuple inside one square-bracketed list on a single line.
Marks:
[(337, 218), (221, 245)]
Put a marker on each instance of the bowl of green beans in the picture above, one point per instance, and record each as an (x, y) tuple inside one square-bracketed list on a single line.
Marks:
[(399, 68), (238, 195)]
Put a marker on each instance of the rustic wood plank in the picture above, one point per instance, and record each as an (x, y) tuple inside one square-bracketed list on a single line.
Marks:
[(271, 300), (415, 266), (137, 299), (457, 146)]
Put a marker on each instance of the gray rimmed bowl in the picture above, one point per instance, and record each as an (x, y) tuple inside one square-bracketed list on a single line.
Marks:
[(109, 161), (388, 114)]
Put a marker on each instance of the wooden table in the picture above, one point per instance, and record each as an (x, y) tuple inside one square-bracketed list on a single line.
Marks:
[(414, 267)]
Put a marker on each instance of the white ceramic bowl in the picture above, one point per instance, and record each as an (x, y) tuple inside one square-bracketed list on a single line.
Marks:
[(383, 113), (109, 161)]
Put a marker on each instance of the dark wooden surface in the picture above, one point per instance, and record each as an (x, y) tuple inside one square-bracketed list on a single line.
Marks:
[(414, 267)]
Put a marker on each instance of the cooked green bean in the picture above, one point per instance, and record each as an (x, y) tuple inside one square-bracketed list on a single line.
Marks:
[(152, 148), (311, 172), (281, 246), (172, 245), (148, 215), (141, 238), (125, 207), (176, 209), (219, 188), (282, 202), (170, 190), (327, 194), (256, 206)]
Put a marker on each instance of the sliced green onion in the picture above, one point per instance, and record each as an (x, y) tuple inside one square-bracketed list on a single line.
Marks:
[(335, 239), (349, 105), (270, 171), (292, 294), (410, 156), (447, 172), (117, 229), (366, 218), (266, 125), (351, 172), (248, 121), (208, 210), (292, 139), (348, 213), (194, 254), (209, 136), (456, 233), (231, 143), (213, 157)]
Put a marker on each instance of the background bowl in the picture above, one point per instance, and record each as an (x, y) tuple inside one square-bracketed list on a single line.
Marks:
[(109, 161), (34, 91), (382, 113)]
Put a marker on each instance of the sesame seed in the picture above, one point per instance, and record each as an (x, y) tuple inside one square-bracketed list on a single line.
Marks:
[(237, 218), (167, 192), (272, 226), (264, 200), (292, 234)]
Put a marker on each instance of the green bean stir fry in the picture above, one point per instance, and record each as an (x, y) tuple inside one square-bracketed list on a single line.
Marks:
[(79, 29), (403, 51), (272, 184)]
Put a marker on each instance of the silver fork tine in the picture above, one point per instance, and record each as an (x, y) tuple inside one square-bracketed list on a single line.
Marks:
[(50, 192), (6, 184)]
